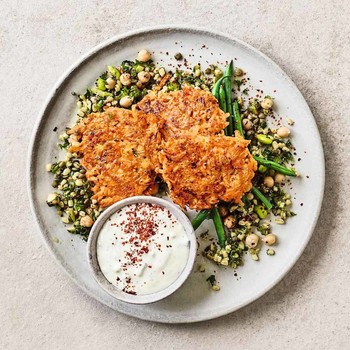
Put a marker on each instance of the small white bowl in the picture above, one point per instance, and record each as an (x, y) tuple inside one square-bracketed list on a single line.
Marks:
[(147, 298)]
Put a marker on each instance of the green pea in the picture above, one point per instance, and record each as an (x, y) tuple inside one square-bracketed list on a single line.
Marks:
[(262, 169), (261, 211), (264, 139)]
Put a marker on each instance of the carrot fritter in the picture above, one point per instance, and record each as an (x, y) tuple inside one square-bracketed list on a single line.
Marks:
[(115, 146), (184, 110), (203, 170), (176, 135)]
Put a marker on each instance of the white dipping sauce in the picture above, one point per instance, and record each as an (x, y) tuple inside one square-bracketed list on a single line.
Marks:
[(142, 248)]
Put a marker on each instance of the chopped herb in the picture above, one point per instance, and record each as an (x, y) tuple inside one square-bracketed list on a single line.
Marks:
[(212, 280), (238, 83)]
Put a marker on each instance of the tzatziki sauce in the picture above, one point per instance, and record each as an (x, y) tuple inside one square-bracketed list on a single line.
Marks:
[(142, 248)]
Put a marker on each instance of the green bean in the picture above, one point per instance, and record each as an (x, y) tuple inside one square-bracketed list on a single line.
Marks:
[(219, 227), (201, 216), (220, 94), (223, 104), (275, 166), (216, 88), (228, 91), (222, 99), (237, 118), (263, 199)]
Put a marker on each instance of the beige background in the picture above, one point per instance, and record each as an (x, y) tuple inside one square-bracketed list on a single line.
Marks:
[(40, 308)]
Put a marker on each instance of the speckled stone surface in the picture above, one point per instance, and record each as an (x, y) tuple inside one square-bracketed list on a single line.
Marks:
[(40, 308)]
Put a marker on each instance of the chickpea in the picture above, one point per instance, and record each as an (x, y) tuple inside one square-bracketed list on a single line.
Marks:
[(126, 101), (86, 221), (143, 56), (283, 132), (73, 138), (290, 121), (270, 239), (279, 178), (201, 268), (125, 79), (267, 103), (139, 85), (247, 124), (250, 196), (268, 181), (52, 198), (215, 287), (238, 72), (110, 83), (230, 221), (144, 77), (252, 240)]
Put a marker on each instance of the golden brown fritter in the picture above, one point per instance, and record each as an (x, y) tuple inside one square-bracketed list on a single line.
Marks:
[(115, 146), (203, 170), (184, 110), (176, 135)]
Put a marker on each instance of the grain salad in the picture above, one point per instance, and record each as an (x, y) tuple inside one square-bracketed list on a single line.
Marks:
[(242, 226)]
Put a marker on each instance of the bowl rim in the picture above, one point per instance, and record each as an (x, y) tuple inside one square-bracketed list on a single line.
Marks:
[(140, 298)]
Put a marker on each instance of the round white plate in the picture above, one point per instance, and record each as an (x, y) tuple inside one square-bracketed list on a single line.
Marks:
[(194, 301)]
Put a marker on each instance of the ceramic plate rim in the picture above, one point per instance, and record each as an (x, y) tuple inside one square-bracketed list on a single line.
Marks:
[(142, 31)]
